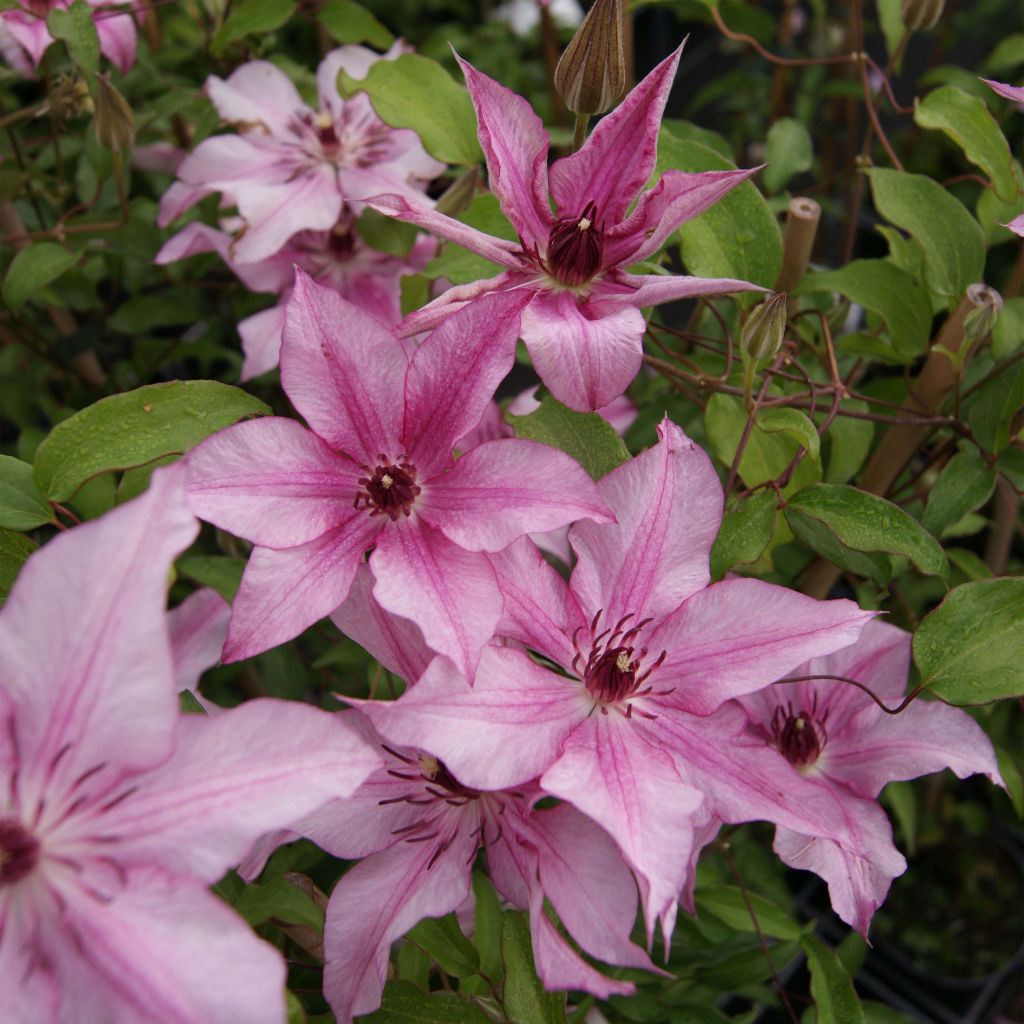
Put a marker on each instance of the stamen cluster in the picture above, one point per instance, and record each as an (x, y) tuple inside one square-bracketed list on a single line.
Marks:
[(799, 736)]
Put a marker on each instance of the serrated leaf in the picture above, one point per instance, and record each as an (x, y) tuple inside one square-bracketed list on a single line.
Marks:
[(460, 265), (587, 437), (744, 534), (251, 17), (951, 239), (831, 987), (738, 236), (349, 22), (523, 996), (882, 287), (136, 427), (788, 151), (867, 523), (74, 25), (22, 507), (442, 939), (726, 902), (967, 121), (418, 93), (15, 549), (965, 484), (404, 1003), (968, 650), (33, 268)]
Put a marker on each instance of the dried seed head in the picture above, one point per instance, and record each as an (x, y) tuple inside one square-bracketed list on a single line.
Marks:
[(113, 122), (919, 15), (591, 74)]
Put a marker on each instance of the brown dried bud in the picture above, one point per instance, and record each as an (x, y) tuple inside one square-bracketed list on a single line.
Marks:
[(591, 74), (920, 15), (765, 328), (113, 122)]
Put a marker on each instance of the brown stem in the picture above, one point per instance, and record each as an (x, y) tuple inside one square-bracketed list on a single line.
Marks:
[(860, 686), (1006, 512), (787, 62), (802, 219)]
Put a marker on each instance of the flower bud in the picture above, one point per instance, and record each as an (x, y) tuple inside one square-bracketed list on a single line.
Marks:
[(765, 327), (591, 74), (979, 321), (919, 15), (113, 122)]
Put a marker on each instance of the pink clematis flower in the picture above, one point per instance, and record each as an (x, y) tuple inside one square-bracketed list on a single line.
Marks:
[(1015, 93), (646, 649), (338, 259), (839, 740), (583, 326), (377, 471), (116, 812), (291, 168), (26, 27), (417, 830), (1016, 225)]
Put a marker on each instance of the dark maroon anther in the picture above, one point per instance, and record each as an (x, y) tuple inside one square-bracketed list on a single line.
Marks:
[(341, 244), (325, 131), (576, 247), (799, 736), (612, 671), (19, 851), (391, 490)]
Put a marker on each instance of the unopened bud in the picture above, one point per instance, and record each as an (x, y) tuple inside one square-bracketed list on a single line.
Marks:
[(765, 328), (591, 74), (979, 321), (837, 315), (920, 15), (113, 121)]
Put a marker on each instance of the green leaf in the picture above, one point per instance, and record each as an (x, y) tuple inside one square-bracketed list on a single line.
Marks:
[(726, 902), (35, 267), (951, 239), (865, 522), (788, 151), (745, 532), (738, 236), (386, 234), (251, 17), (524, 998), (442, 938), (900, 799), (831, 987), (22, 507), (221, 572), (189, 704), (967, 121), (487, 930), (279, 900), (965, 484), (75, 27), (990, 411), (460, 265), (1012, 777), (792, 422), (891, 23), (349, 22), (821, 540), (1008, 54), (296, 1011), (14, 551), (587, 437), (1008, 333), (137, 427), (746, 967), (880, 286), (849, 442), (418, 93), (404, 1003), (687, 131), (968, 563), (968, 650)]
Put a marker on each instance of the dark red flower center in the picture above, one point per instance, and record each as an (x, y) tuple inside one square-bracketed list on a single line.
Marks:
[(576, 247), (391, 490), (326, 133), (799, 736), (341, 242), (19, 851), (613, 670)]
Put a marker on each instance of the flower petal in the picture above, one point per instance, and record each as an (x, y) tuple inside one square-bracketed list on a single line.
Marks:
[(739, 635), (613, 164), (516, 147), (273, 482), (285, 592), (261, 336), (450, 593), (1015, 93), (117, 39), (654, 289), (454, 373), (198, 627), (504, 489), (343, 371), (223, 162), (668, 505), (256, 94), (435, 312), (586, 355)]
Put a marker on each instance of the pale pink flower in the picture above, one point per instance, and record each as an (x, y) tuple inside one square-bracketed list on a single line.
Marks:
[(116, 811), (26, 26), (646, 648), (338, 259), (583, 326), (1014, 93), (837, 738), (1016, 225), (377, 471), (291, 168)]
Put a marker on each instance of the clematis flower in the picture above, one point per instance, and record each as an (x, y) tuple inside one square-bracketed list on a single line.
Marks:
[(26, 27), (417, 830), (116, 812), (338, 259), (838, 739), (645, 649), (1014, 93), (291, 168), (377, 471), (583, 326), (1016, 225)]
